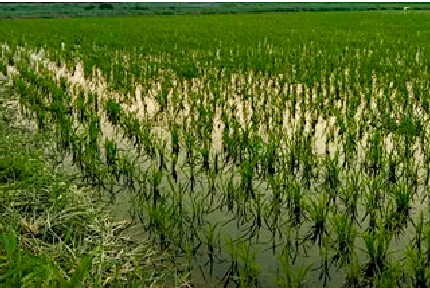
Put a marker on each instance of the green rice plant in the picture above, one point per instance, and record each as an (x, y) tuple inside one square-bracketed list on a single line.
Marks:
[(93, 132), (289, 280), (232, 273), (332, 180), (374, 154), (273, 211), (197, 205), (16, 168), (353, 274), (318, 213), (212, 239), (350, 195), (271, 158), (407, 151), (235, 141), (299, 205), (127, 125), (373, 200), (247, 173), (349, 147), (419, 239), (113, 110), (293, 165), (216, 169), (147, 140), (66, 131), (393, 276), (325, 266), (376, 248), (256, 210), (344, 242), (392, 164), (3, 68), (91, 165), (77, 151), (417, 264), (248, 274), (57, 109), (190, 145), (91, 98), (229, 194), (401, 215), (156, 177), (308, 164), (411, 177), (227, 142), (127, 170), (111, 152), (175, 150), (161, 220), (205, 155), (136, 131), (41, 116), (80, 104)]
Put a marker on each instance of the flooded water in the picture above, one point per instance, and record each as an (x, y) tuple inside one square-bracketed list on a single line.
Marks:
[(206, 203)]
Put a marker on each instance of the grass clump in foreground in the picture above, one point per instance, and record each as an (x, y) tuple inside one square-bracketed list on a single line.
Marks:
[(54, 230)]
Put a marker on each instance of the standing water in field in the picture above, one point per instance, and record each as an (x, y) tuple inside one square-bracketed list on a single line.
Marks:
[(267, 162)]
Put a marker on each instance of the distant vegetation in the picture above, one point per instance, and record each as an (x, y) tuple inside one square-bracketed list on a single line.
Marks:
[(23, 10)]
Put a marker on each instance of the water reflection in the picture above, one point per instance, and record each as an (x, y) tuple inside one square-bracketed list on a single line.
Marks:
[(212, 201)]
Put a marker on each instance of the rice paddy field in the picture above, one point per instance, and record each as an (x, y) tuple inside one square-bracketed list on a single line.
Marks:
[(273, 150)]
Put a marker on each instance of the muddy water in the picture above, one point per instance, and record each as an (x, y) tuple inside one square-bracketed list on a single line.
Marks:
[(146, 108), (228, 227)]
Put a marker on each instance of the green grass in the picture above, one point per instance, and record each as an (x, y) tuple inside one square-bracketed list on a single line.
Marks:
[(54, 230)]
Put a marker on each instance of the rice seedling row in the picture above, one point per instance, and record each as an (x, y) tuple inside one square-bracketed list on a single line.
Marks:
[(289, 159)]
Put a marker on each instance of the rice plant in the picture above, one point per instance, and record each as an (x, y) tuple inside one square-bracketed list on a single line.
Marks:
[(310, 135)]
